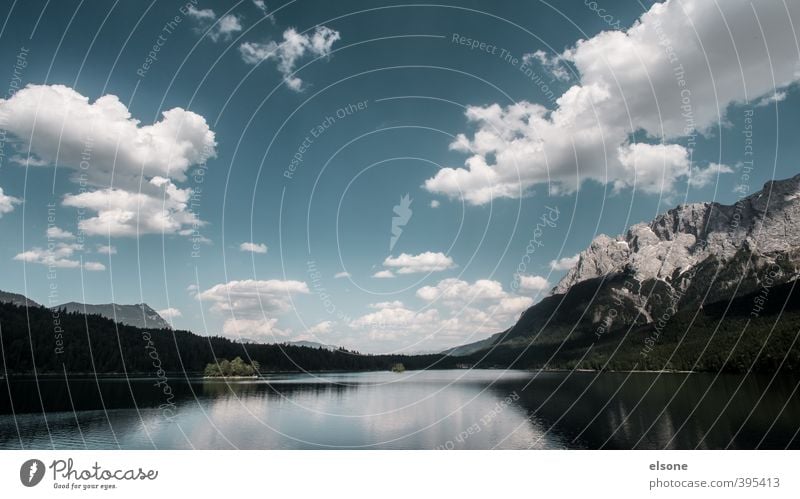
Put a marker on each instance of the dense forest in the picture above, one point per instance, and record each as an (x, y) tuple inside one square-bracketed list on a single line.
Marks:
[(53, 341), (724, 336)]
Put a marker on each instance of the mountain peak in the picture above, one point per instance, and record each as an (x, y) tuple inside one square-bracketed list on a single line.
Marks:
[(766, 222), (140, 315)]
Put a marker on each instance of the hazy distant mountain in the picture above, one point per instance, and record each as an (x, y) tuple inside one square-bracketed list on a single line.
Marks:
[(16, 299), (140, 315), (692, 256), (310, 344)]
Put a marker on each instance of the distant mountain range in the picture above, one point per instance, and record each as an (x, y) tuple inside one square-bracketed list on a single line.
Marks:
[(140, 315), (310, 344), (17, 299), (689, 258)]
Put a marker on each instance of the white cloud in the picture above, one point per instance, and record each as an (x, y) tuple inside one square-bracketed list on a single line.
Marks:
[(102, 139), (7, 203), (383, 274), (455, 311), (771, 99), (287, 53), (424, 262), (58, 233), (533, 283), (340, 275), (252, 304), (104, 249), (169, 314), (394, 319), (628, 82), (253, 296), (222, 29), (253, 247), (123, 213), (94, 266), (27, 160), (386, 304), (263, 330), (60, 255), (201, 14), (552, 65), (456, 292), (651, 168), (565, 263), (435, 203), (702, 177), (323, 327), (225, 27)]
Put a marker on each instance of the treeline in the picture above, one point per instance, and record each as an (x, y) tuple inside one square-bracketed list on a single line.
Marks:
[(722, 337), (52, 341)]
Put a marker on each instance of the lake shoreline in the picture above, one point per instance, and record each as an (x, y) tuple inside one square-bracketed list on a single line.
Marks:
[(264, 375)]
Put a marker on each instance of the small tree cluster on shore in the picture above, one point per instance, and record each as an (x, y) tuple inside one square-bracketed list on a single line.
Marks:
[(235, 367)]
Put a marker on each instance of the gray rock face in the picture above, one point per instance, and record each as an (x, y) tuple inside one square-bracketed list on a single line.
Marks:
[(140, 315), (679, 246)]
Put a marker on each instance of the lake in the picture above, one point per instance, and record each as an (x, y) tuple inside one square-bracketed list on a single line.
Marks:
[(455, 409)]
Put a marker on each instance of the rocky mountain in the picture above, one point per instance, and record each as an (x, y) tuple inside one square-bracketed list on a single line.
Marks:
[(140, 315), (17, 299), (687, 258)]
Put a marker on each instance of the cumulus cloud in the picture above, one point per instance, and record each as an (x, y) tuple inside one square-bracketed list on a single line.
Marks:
[(383, 274), (630, 81), (253, 295), (455, 311), (533, 283), (323, 327), (222, 29), (262, 6), (424, 262), (340, 275), (293, 48), (435, 203), (122, 213), (456, 292), (169, 314), (771, 99), (565, 263), (58, 233), (102, 138), (252, 305), (391, 322), (58, 255), (387, 304), (7, 203), (551, 65), (253, 247), (486, 294), (200, 14), (105, 249), (702, 177)]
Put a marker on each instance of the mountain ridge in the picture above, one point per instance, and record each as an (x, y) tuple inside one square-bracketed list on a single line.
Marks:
[(691, 255)]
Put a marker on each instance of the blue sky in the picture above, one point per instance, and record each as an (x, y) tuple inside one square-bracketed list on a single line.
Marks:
[(178, 187)]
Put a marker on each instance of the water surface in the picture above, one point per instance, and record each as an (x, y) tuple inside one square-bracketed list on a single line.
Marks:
[(459, 409)]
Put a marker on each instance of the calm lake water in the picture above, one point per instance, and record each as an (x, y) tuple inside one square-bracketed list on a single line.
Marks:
[(461, 409)]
